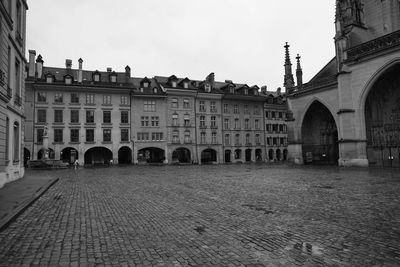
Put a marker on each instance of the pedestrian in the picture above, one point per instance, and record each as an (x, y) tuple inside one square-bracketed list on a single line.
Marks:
[(76, 164)]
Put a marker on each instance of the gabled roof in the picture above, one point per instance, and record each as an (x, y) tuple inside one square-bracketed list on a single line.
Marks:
[(327, 72)]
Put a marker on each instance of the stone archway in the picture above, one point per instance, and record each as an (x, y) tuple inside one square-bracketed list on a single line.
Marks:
[(271, 155), (319, 136), (151, 155), (27, 156), (98, 156), (181, 155), (208, 156), (69, 155), (228, 156), (247, 155), (124, 155), (382, 119), (278, 154)]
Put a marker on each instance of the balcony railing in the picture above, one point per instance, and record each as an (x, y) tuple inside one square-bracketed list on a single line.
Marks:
[(18, 100), (374, 46)]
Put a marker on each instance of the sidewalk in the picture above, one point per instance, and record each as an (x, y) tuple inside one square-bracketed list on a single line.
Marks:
[(19, 194)]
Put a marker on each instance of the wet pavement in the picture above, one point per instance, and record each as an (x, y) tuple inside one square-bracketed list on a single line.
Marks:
[(232, 215)]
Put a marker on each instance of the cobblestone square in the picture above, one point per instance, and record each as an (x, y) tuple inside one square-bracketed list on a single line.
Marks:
[(230, 215)]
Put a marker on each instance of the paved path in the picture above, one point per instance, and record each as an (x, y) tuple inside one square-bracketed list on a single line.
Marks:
[(237, 215)]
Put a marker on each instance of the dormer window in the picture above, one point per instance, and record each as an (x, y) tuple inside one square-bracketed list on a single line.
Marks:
[(174, 84), (207, 87), (246, 91), (49, 79), (155, 90), (255, 92), (141, 89), (232, 90), (145, 84), (186, 85), (96, 77), (113, 78), (68, 80)]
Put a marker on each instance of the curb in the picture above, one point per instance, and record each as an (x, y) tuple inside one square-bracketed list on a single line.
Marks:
[(4, 223)]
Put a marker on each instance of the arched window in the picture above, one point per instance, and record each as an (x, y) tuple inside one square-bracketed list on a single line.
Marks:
[(16, 141)]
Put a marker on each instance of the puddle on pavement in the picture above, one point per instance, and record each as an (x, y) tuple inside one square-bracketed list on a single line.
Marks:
[(258, 208), (307, 248), (325, 187), (200, 229)]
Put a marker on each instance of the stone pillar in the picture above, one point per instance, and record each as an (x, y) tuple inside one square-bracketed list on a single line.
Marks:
[(45, 143)]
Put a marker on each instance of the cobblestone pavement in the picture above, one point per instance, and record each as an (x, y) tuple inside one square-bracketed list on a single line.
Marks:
[(234, 215)]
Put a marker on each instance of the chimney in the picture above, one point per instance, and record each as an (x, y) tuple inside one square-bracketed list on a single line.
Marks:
[(68, 64), (80, 70), (32, 55), (264, 89), (109, 69), (39, 66), (128, 71), (299, 73), (278, 91)]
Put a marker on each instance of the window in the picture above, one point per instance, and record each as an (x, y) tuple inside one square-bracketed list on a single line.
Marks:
[(237, 125), (227, 140), (89, 135), (257, 139), (174, 84), (186, 120), (246, 91), (187, 137), (89, 116), (281, 141), (280, 115), (237, 139), (155, 90), (9, 67), (235, 109), (68, 80), (174, 103), (156, 136), (106, 135), (106, 100), (284, 128), (213, 107), (19, 19), (202, 138), (185, 85), (281, 128), (124, 117), (145, 84), (96, 77), (257, 124), (106, 116), (269, 128), (39, 136), (41, 97), (213, 122), (246, 109), (285, 141), (144, 121), (143, 136), (74, 136), (274, 141), (202, 121), (49, 79), (269, 141), (175, 120), (58, 135), (58, 116), (273, 114), (58, 98), (124, 100), (175, 137), (74, 98), (90, 99), (246, 124), (41, 116), (238, 154), (74, 116), (124, 135), (275, 128), (248, 139), (202, 107), (256, 110), (16, 141), (213, 137), (113, 78), (17, 81), (186, 103), (226, 124), (8, 138), (149, 106), (154, 121), (226, 110)]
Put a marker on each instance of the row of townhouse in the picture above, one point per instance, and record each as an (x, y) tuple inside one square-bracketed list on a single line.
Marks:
[(101, 117)]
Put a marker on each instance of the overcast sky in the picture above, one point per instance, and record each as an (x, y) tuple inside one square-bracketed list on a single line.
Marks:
[(239, 40)]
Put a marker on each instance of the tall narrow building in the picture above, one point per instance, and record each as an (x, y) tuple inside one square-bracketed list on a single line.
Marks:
[(12, 88)]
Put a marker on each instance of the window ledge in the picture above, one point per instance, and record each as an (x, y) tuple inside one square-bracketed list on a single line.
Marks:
[(73, 143), (75, 104), (106, 142), (90, 142), (58, 143)]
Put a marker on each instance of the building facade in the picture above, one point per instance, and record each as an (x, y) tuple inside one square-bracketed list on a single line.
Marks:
[(12, 88), (85, 114), (243, 123), (349, 113)]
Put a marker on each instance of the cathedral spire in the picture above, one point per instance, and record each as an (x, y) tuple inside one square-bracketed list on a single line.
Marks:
[(299, 73), (288, 78)]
